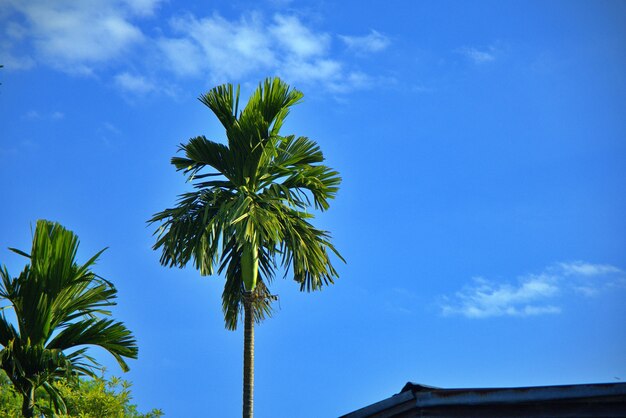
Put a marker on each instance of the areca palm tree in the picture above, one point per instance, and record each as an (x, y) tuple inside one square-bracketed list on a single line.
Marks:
[(247, 215), (59, 306)]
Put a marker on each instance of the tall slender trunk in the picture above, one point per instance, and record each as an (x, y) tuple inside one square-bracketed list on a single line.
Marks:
[(28, 402), (248, 357)]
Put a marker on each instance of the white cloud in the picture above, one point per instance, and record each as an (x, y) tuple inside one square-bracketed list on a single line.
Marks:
[(11, 61), (75, 35), (184, 57), (32, 114), (374, 42), (477, 56), (533, 294), (586, 269), (485, 299), (226, 49), (108, 126), (586, 290), (84, 37), (356, 80), (310, 71), (109, 134), (279, 4), (134, 83), (234, 49), (298, 40), (14, 33), (36, 115), (143, 7)]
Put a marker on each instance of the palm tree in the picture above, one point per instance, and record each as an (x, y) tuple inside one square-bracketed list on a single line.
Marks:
[(58, 306), (247, 216)]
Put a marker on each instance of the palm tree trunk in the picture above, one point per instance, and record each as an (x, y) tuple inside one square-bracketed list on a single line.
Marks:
[(248, 356), (28, 402)]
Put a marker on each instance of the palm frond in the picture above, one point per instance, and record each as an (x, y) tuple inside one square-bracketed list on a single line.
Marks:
[(193, 229), (201, 152), (305, 249), (8, 332), (57, 304), (273, 99), (254, 191), (55, 397), (112, 336), (224, 102)]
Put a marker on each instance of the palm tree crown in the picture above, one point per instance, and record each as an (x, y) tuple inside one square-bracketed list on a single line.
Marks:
[(248, 215), (58, 306)]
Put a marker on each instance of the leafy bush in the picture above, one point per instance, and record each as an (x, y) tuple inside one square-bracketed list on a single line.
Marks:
[(85, 398)]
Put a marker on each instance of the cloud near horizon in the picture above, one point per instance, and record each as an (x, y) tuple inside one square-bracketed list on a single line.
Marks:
[(531, 294)]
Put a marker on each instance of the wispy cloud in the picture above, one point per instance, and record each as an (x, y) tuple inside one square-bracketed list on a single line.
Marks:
[(13, 33), (109, 127), (321, 70), (37, 115), (13, 61), (280, 3), (74, 36), (32, 114), (399, 300), (531, 294), (100, 37), (225, 49), (586, 269), (143, 7), (235, 49), (183, 55), (109, 134), (478, 56), (134, 83), (484, 298), (373, 42), (298, 40)]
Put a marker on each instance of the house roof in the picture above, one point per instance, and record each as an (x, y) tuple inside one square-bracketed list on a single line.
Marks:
[(422, 400)]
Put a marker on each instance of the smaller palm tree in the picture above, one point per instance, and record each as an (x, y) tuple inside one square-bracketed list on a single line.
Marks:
[(58, 307)]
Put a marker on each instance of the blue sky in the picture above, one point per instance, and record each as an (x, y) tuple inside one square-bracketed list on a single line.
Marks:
[(483, 151)]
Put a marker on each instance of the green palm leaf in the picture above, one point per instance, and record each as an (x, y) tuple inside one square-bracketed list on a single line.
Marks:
[(267, 181), (58, 305)]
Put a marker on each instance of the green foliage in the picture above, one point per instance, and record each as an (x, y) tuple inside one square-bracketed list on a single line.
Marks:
[(85, 398), (59, 307), (10, 399), (248, 212)]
